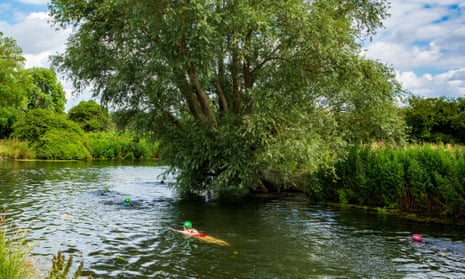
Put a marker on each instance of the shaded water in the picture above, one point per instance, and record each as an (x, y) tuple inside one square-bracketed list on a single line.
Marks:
[(270, 238)]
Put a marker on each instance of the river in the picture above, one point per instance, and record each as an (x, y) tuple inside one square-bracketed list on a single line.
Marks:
[(64, 208)]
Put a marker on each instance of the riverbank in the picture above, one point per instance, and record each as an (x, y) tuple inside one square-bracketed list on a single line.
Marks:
[(15, 149), (93, 146), (413, 216), (417, 181)]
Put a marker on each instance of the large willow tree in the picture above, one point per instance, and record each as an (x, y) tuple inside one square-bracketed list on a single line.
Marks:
[(240, 93)]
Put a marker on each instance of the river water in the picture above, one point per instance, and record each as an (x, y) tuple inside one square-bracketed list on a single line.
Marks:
[(288, 237)]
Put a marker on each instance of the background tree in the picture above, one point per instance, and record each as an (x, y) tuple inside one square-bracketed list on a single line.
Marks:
[(14, 84), (436, 119), (90, 116), (241, 94), (51, 135), (47, 92), (458, 121)]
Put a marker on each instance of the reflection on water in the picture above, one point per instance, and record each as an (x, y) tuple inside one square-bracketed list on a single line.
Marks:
[(64, 207)]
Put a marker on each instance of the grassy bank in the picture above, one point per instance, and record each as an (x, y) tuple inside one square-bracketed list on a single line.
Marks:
[(15, 149), (15, 262), (418, 180), (94, 146)]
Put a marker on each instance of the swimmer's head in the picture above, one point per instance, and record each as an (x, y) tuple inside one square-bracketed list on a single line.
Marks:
[(188, 225), (127, 200)]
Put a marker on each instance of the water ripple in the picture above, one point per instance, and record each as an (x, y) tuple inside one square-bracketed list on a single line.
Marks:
[(64, 208)]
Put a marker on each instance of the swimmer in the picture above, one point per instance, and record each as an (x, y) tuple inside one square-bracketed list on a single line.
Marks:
[(127, 202), (189, 232), (188, 229), (104, 191)]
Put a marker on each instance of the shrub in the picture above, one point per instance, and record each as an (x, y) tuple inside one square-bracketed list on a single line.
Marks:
[(32, 125), (90, 116), (427, 179), (63, 145), (120, 146)]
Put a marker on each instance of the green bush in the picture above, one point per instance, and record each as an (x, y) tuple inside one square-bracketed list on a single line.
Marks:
[(62, 145), (90, 116), (7, 119), (427, 179), (120, 146), (384, 175), (33, 124)]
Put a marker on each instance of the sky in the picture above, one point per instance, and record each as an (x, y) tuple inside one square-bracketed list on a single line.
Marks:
[(423, 41)]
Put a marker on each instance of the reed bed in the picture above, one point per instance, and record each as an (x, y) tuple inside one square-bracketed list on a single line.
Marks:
[(428, 178)]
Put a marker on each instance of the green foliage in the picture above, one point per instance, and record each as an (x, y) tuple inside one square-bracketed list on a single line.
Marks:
[(120, 146), (47, 92), (427, 179), (62, 144), (16, 149), (8, 117), (90, 116), (14, 261), (438, 120), (51, 135), (14, 84), (22, 89), (240, 94), (33, 124), (221, 162)]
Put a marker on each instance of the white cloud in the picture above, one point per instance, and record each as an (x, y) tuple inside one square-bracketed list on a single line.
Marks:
[(425, 43), (35, 2), (450, 83), (35, 34)]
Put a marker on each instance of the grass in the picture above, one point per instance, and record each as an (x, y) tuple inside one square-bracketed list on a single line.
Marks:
[(15, 262), (15, 149)]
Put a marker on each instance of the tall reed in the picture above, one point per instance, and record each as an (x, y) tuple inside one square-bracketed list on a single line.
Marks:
[(419, 178), (14, 252)]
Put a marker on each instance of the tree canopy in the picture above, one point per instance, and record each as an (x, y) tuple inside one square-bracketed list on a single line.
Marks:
[(241, 94), (90, 116), (47, 92), (436, 119), (14, 84), (24, 89)]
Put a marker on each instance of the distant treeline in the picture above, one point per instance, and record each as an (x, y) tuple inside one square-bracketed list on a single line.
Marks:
[(86, 132), (436, 120)]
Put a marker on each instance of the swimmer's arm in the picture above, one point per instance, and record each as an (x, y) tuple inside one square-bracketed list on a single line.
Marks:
[(184, 232), (175, 230)]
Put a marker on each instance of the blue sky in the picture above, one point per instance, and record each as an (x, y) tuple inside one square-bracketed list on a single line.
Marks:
[(423, 41)]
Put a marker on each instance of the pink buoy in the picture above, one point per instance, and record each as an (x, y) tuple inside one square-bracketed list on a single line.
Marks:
[(417, 237)]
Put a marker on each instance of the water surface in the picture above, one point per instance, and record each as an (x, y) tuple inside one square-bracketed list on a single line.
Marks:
[(286, 237)]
